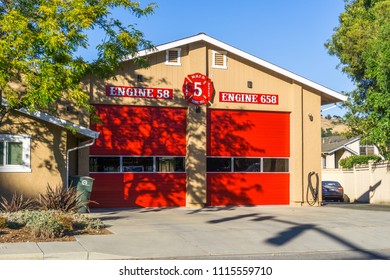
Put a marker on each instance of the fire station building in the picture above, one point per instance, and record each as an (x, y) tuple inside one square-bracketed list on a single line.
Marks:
[(206, 124)]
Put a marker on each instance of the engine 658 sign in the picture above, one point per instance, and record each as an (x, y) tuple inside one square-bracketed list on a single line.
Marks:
[(198, 89)]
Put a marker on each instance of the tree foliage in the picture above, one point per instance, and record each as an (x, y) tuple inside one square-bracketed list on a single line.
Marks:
[(39, 41), (362, 44)]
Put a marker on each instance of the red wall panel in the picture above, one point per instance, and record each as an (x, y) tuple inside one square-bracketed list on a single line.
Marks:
[(247, 189), (248, 133), (130, 130), (138, 190)]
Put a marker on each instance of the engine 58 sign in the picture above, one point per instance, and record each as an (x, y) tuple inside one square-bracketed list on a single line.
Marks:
[(139, 92), (198, 89)]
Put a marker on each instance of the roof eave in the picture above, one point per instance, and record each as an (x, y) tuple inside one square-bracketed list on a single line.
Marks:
[(86, 132)]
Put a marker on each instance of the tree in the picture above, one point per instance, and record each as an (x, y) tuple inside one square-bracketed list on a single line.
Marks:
[(39, 41), (362, 44)]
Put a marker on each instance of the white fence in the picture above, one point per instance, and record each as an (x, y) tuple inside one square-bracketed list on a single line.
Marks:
[(370, 184)]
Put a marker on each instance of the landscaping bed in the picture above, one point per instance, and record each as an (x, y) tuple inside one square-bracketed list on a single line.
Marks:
[(52, 217), (47, 226)]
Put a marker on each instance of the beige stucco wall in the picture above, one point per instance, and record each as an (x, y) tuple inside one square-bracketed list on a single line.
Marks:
[(48, 151), (294, 98), (311, 116), (355, 146)]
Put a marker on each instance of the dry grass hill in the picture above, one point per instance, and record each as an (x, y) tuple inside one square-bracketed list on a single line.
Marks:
[(334, 124)]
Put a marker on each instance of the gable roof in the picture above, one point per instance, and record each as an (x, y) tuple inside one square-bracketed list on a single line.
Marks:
[(328, 96), (332, 144), (83, 131)]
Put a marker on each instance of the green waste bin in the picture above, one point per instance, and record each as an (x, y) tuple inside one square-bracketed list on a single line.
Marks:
[(83, 184)]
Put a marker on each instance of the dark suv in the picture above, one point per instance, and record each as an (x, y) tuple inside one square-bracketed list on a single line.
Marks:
[(332, 190)]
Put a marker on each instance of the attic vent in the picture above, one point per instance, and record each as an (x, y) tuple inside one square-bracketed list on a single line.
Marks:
[(219, 59), (173, 57)]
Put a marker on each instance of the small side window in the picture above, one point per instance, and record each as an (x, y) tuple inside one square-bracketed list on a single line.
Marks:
[(219, 59), (172, 57), (14, 153)]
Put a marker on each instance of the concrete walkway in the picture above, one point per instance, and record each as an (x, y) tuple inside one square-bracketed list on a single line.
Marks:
[(264, 232)]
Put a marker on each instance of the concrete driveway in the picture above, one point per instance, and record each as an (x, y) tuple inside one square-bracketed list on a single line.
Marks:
[(264, 232)]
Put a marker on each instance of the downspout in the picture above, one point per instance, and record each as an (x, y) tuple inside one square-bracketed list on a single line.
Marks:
[(67, 158)]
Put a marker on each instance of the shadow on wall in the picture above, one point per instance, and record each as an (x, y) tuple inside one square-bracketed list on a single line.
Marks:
[(247, 134), (366, 196), (139, 131), (158, 131)]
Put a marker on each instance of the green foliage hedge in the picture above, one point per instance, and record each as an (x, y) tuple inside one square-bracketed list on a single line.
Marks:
[(351, 161)]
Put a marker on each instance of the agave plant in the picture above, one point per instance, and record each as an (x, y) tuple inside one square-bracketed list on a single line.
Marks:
[(17, 203), (61, 199)]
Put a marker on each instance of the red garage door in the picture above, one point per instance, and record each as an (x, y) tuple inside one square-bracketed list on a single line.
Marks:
[(248, 158), (138, 159)]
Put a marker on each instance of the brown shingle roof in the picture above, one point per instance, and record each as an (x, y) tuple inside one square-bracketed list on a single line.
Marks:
[(334, 143)]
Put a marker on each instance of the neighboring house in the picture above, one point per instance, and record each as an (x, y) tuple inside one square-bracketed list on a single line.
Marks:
[(335, 148), (33, 152)]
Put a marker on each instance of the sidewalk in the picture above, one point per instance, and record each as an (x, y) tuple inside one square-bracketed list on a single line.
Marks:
[(264, 232)]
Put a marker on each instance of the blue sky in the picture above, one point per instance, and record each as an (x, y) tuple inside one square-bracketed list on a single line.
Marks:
[(288, 33)]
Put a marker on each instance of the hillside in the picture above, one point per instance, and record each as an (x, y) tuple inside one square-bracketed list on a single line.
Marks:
[(333, 124)]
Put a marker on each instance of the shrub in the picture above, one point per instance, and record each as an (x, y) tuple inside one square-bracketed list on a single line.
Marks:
[(61, 199), (17, 203), (83, 222), (66, 221), (43, 223), (3, 222), (350, 162)]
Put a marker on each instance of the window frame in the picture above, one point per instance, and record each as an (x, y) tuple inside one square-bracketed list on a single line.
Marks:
[(213, 65), (121, 169), (26, 153), (261, 161), (167, 62)]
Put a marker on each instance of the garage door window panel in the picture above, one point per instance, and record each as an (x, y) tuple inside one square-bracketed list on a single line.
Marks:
[(170, 164), (104, 164), (219, 164), (137, 164), (247, 164), (275, 165)]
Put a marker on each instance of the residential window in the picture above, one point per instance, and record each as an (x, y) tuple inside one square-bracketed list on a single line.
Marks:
[(219, 59), (14, 153), (367, 150), (136, 164), (172, 57)]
